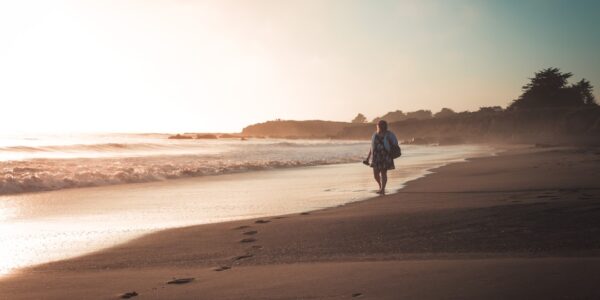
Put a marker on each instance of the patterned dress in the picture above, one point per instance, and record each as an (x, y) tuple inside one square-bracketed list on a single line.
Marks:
[(381, 158)]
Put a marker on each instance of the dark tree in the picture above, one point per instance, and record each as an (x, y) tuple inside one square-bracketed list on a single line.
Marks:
[(490, 109), (585, 90), (419, 114), (550, 88), (360, 118), (393, 116), (445, 112)]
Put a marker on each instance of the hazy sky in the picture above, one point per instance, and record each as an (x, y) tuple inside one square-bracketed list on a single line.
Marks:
[(151, 66)]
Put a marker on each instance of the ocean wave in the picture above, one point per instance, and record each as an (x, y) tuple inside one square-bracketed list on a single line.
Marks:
[(131, 159), (46, 175), (316, 143), (170, 146), (92, 147)]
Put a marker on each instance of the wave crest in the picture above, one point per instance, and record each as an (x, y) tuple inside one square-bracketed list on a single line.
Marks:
[(46, 175)]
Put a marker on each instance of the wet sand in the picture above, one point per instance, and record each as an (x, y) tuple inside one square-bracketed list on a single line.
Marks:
[(524, 224)]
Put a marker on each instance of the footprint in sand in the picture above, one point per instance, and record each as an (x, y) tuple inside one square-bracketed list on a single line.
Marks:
[(242, 257), (248, 240), (251, 232), (180, 280), (241, 227), (129, 295), (356, 295), (222, 268), (262, 221), (305, 213)]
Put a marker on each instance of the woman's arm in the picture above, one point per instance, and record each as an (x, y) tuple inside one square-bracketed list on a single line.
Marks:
[(366, 161)]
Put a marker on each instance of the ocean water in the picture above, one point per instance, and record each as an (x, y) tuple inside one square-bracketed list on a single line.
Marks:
[(53, 162), (64, 196)]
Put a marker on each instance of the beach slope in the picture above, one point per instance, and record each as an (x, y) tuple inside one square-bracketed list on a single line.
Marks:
[(524, 224)]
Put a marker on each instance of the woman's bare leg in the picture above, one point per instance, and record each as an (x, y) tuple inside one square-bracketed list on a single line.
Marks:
[(383, 180), (377, 178)]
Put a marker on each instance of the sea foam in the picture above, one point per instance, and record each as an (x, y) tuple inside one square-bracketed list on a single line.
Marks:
[(83, 163)]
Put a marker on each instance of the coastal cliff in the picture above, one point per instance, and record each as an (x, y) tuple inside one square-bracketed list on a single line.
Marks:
[(549, 125)]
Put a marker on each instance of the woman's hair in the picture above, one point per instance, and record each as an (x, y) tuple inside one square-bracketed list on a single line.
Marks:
[(382, 125)]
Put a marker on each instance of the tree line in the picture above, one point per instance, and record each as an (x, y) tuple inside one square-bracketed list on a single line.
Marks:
[(548, 88)]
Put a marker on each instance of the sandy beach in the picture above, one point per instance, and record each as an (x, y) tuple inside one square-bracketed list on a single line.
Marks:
[(521, 225), (396, 149)]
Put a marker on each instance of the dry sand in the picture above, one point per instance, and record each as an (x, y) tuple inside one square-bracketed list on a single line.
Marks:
[(521, 225)]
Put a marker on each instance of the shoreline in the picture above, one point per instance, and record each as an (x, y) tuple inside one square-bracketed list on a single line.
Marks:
[(433, 220), (156, 206), (233, 171)]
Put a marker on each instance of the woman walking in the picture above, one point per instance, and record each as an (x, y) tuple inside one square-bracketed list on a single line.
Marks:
[(381, 147)]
